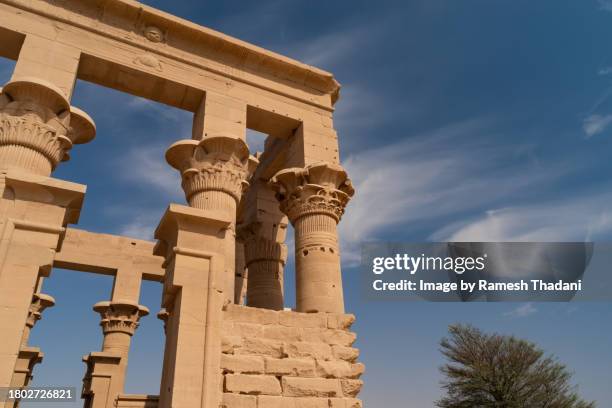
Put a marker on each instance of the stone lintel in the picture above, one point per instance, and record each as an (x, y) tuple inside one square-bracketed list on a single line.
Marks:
[(180, 38), (106, 253)]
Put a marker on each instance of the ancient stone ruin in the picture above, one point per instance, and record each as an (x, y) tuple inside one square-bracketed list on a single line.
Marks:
[(230, 342)]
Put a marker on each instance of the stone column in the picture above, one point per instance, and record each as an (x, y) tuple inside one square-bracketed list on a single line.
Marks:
[(240, 285), (214, 172), (29, 356), (263, 232), (37, 129), (314, 199), (265, 260), (119, 321), (163, 315), (105, 376), (120, 317), (40, 302)]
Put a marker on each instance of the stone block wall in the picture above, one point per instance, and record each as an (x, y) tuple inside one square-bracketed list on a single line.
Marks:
[(286, 359)]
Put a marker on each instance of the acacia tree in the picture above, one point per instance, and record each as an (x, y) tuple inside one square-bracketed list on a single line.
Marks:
[(496, 371)]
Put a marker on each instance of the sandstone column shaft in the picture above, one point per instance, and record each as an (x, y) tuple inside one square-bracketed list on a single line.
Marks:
[(240, 285), (265, 261), (263, 232), (317, 263)]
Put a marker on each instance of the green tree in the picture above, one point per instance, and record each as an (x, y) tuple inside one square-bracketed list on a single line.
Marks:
[(491, 370)]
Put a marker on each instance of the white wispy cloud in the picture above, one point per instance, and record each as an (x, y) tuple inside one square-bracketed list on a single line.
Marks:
[(181, 120), (436, 174), (605, 4), (356, 115), (326, 50), (523, 310), (147, 167), (141, 226), (595, 124), (255, 21), (335, 47), (583, 217), (605, 71), (144, 164)]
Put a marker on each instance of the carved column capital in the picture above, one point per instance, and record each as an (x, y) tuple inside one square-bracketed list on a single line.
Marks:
[(38, 126), (163, 315), (215, 163), (120, 316), (40, 302), (320, 188), (258, 247), (314, 198)]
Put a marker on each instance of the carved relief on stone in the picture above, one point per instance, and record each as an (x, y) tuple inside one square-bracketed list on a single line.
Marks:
[(154, 34), (38, 126), (216, 163), (149, 61), (320, 188), (120, 316)]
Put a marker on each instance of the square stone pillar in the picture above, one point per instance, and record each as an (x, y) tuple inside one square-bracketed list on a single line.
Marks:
[(27, 359), (48, 60), (192, 241), (100, 380), (313, 143), (219, 115), (34, 211)]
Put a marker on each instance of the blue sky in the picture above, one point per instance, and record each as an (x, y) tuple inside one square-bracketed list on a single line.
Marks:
[(462, 120)]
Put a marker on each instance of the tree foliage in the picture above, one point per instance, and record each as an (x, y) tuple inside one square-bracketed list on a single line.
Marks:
[(498, 371)]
